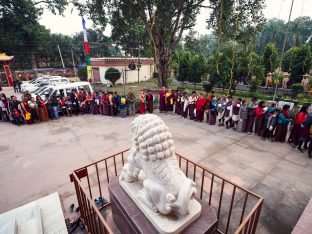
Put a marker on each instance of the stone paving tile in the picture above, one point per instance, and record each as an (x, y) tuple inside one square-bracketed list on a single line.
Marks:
[(300, 159)]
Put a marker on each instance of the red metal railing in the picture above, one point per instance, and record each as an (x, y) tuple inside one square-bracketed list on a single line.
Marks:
[(238, 209)]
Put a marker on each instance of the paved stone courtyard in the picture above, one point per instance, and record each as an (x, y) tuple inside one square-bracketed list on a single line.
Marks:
[(36, 160)]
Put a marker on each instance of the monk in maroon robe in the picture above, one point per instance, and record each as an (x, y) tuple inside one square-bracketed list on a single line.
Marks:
[(149, 101), (162, 100)]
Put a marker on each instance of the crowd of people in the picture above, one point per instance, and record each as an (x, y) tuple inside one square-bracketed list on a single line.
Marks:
[(254, 117), (31, 109)]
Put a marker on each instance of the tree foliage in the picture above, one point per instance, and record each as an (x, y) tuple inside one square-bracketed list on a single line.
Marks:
[(184, 67), (198, 68), (83, 73), (208, 86), (235, 22), (191, 68), (203, 44), (130, 34), (112, 74), (299, 32), (298, 61), (164, 21), (297, 88), (270, 58)]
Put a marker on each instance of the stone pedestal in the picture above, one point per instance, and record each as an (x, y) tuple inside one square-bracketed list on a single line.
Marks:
[(130, 219), (44, 215)]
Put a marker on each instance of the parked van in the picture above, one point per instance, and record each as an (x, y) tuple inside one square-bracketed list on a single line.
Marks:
[(33, 82), (65, 89), (44, 82)]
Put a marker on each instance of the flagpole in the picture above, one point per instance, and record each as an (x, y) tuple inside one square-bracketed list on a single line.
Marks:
[(86, 50), (72, 54), (61, 56)]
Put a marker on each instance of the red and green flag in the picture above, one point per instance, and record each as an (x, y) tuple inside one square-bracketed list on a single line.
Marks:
[(86, 50)]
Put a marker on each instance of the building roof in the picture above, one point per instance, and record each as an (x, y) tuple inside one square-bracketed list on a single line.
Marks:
[(119, 61), (5, 58)]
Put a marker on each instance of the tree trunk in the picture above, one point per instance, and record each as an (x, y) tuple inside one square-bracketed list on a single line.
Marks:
[(163, 72), (162, 58)]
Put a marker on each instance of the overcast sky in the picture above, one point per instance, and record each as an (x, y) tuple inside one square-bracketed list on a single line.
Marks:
[(70, 23)]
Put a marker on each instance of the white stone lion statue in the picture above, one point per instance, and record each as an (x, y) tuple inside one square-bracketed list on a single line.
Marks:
[(165, 188)]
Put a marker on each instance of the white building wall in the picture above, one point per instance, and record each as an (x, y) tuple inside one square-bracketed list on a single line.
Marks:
[(146, 73)]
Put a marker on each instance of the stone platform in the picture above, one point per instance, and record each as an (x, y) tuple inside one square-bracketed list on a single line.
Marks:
[(130, 219), (304, 224), (165, 224), (44, 215)]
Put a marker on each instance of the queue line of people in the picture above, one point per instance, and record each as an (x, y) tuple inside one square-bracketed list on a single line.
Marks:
[(31, 110), (255, 117)]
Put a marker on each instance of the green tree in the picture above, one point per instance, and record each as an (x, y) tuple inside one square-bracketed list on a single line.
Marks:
[(20, 31), (130, 34), (164, 21), (175, 63), (274, 32), (235, 23), (198, 68), (204, 44), (270, 58), (184, 67), (207, 44), (288, 60), (192, 42), (249, 65), (112, 74), (83, 73), (301, 64), (221, 78)]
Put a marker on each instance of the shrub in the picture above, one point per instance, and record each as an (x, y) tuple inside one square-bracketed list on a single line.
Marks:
[(208, 86), (253, 86), (297, 88), (112, 74), (170, 82), (83, 73)]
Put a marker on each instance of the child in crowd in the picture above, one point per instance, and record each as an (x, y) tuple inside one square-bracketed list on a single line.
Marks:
[(235, 111), (271, 124)]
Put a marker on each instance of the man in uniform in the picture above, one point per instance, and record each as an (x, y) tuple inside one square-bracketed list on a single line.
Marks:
[(131, 102)]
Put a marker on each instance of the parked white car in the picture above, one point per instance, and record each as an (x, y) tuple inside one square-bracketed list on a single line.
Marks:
[(63, 89), (33, 82), (45, 82)]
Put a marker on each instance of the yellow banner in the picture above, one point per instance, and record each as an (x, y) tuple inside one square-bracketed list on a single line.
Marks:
[(89, 72)]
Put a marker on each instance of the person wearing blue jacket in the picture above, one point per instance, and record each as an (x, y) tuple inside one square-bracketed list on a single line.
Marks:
[(213, 111), (283, 120)]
